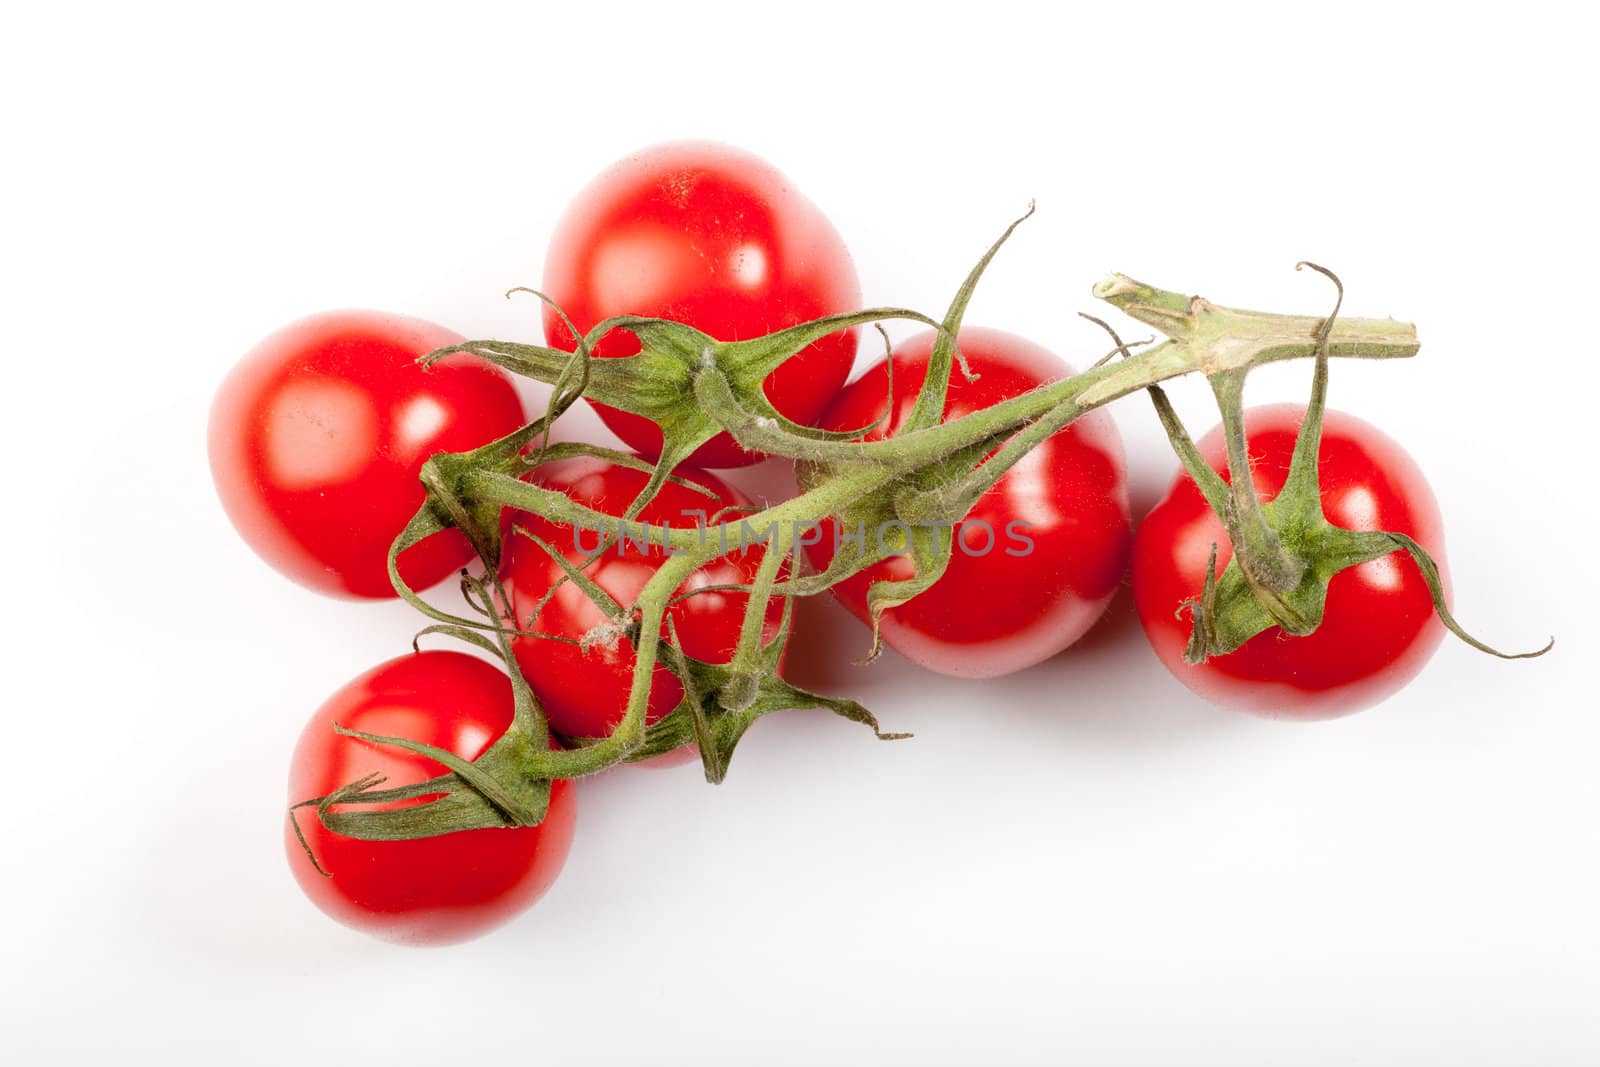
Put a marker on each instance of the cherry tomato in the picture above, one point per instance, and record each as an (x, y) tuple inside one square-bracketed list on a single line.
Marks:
[(432, 890), (1040, 554), (584, 692), (1379, 627), (715, 238), (317, 437)]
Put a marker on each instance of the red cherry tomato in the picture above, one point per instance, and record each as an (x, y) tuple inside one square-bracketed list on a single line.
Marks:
[(715, 238), (1379, 627), (584, 692), (1037, 558), (318, 435), (432, 890)]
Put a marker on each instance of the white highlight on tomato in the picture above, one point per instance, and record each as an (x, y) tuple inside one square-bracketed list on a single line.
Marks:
[(420, 418), (1028, 490), (1192, 547), (1360, 508), (1381, 573), (631, 267), (319, 433), (750, 266), (707, 602)]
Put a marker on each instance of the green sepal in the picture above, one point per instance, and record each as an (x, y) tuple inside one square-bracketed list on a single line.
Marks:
[(1366, 546), (929, 541), (460, 809), (928, 409), (658, 382), (750, 361), (929, 548), (701, 719), (478, 520), (495, 790), (759, 427), (1229, 612)]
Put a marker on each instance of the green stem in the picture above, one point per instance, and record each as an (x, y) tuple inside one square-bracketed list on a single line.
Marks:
[(1263, 559), (740, 693), (1238, 338), (1209, 482), (1304, 483), (928, 408), (869, 466)]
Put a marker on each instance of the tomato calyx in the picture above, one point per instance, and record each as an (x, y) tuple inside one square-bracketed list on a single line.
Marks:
[(720, 703), (507, 786), (690, 384), (1284, 551), (916, 515), (720, 700), (475, 795)]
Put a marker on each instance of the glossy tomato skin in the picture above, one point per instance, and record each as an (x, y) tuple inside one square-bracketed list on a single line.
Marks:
[(317, 437), (715, 238), (584, 692), (1379, 627), (1001, 610), (435, 890)]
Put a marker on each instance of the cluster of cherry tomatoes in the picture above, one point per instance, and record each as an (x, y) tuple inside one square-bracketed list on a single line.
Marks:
[(318, 435)]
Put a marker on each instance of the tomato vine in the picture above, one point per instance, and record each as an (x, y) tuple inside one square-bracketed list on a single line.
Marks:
[(918, 482)]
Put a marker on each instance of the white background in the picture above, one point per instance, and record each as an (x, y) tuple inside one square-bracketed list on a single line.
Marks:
[(1080, 863)]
